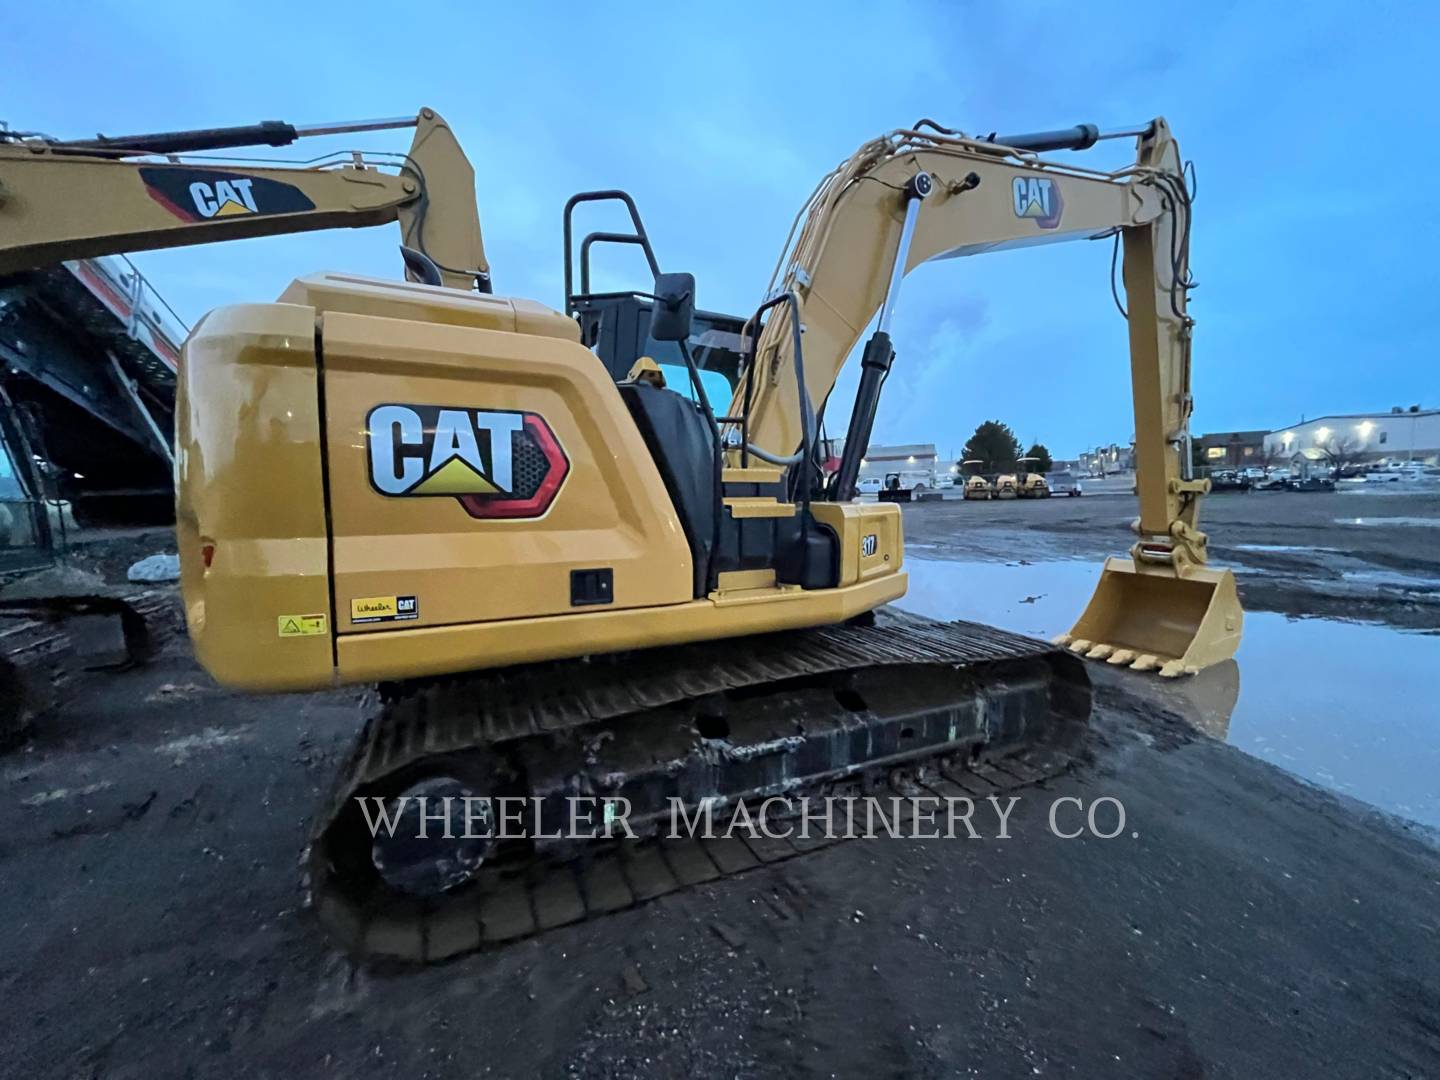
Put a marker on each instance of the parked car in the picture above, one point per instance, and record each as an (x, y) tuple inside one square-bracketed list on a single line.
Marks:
[(1065, 483), (871, 485), (1229, 480)]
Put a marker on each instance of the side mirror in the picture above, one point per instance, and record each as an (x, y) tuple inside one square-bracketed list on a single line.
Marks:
[(674, 307)]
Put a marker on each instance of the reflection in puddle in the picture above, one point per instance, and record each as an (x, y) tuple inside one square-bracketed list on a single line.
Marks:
[(1345, 705), (1420, 521), (1390, 579), (1283, 547)]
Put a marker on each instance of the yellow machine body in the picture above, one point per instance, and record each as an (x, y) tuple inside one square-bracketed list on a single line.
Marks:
[(1023, 483), (296, 568), (974, 485), (1033, 485)]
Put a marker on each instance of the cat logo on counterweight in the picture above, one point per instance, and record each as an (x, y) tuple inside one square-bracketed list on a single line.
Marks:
[(496, 463)]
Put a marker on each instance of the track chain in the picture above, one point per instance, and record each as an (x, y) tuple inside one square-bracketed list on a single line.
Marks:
[(505, 905), (508, 901)]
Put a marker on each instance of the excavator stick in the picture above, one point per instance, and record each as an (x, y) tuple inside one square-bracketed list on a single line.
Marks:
[(1155, 618), (1162, 609)]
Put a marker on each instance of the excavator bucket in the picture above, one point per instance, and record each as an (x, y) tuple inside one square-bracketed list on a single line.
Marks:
[(1150, 618)]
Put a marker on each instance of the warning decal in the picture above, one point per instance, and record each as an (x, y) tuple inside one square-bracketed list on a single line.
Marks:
[(301, 625), (373, 609)]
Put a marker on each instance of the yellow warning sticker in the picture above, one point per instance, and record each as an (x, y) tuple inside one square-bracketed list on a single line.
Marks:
[(301, 625)]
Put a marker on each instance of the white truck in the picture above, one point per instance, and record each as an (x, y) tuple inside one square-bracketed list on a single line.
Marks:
[(1065, 483)]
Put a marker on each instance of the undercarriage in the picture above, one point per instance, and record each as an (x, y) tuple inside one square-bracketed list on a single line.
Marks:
[(636, 748)]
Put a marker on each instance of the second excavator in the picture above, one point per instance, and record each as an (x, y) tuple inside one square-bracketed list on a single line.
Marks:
[(568, 579)]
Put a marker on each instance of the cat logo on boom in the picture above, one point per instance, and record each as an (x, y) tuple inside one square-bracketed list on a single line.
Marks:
[(1038, 197), (206, 194), (496, 463), (223, 198)]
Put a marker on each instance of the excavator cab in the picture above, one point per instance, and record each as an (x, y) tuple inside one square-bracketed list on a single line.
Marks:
[(699, 356), (618, 326)]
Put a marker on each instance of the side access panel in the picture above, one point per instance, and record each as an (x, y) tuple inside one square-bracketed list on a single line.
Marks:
[(480, 475), (249, 490)]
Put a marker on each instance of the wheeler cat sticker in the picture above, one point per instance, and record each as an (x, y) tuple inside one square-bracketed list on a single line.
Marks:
[(373, 609), (497, 463)]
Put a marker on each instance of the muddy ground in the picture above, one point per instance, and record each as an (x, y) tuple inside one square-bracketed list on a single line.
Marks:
[(1242, 924)]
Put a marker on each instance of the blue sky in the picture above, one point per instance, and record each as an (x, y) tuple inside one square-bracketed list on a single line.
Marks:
[(1312, 127)]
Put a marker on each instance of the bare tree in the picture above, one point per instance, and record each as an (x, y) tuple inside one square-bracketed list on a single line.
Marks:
[(1275, 454), (1342, 453)]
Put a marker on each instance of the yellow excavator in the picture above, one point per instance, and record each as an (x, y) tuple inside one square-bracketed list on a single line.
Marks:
[(568, 579)]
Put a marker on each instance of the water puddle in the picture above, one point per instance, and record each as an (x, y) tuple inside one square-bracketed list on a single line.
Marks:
[(1344, 705), (1419, 522)]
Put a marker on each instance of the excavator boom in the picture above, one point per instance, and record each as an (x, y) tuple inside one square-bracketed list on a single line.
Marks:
[(927, 193), (81, 199)]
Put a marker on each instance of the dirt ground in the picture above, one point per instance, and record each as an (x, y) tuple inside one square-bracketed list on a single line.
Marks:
[(1242, 924)]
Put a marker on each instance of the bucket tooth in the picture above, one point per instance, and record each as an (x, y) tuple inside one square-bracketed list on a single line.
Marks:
[(1060, 639), (1174, 668), (1157, 616)]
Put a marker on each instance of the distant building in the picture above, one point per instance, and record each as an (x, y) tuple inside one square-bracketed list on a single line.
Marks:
[(1104, 460), (1231, 449), (1398, 435), (915, 462)]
